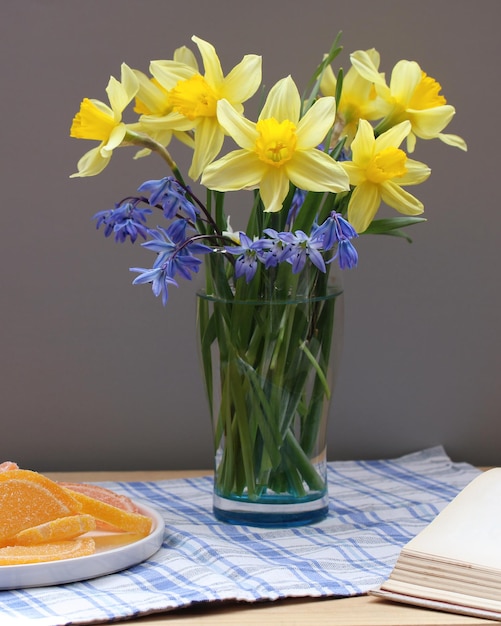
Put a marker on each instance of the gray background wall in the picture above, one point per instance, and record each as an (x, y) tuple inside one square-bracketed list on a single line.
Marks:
[(95, 374)]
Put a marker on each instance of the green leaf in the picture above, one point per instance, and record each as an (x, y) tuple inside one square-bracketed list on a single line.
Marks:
[(339, 85), (392, 226), (314, 84)]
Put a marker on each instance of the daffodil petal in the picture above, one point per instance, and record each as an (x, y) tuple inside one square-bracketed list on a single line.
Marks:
[(400, 199), (174, 121), (208, 142), (91, 163), (363, 205), (186, 56), (244, 79), (364, 143), (121, 93), (355, 173), (427, 123), (411, 142), (393, 137), (115, 139), (328, 82), (242, 130), (357, 85), (314, 170), (183, 137), (239, 169), (417, 173), (366, 63), (129, 81), (148, 92), (212, 66), (283, 102), (169, 73), (316, 123), (117, 98), (274, 188), (405, 77), (453, 140), (102, 106)]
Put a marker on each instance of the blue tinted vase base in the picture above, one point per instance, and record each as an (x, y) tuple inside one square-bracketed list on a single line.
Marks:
[(271, 514)]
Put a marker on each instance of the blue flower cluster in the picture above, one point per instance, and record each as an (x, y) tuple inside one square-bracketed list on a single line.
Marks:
[(297, 248), (179, 246), (125, 220)]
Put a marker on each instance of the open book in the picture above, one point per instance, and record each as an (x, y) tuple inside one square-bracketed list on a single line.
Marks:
[(454, 564)]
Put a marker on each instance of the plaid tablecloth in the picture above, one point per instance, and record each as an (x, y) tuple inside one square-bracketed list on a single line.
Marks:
[(375, 508)]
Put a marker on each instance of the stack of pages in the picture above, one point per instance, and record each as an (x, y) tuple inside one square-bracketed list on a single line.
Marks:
[(454, 564)]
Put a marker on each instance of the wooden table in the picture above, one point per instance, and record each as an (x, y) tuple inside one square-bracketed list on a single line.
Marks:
[(356, 611)]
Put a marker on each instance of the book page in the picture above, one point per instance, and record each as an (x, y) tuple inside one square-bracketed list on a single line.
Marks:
[(468, 530)]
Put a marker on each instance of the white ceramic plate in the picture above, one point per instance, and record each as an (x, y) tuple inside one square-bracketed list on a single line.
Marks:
[(105, 561)]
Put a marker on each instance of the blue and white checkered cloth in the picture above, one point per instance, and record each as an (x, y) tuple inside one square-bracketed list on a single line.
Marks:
[(375, 508)]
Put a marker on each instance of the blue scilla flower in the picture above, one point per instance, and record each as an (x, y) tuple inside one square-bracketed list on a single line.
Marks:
[(304, 248), (125, 220), (175, 257), (170, 195), (247, 261), (159, 277), (333, 230), (347, 254), (296, 204), (275, 248)]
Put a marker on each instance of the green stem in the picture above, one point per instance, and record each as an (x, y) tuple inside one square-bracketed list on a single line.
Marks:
[(140, 139)]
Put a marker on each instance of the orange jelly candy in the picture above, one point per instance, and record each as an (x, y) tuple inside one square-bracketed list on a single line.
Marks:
[(60, 529), (28, 499), (124, 520), (57, 551)]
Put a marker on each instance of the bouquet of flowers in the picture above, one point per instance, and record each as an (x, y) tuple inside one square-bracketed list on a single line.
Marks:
[(318, 165)]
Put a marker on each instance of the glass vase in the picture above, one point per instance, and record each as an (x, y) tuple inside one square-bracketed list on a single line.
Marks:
[(269, 366)]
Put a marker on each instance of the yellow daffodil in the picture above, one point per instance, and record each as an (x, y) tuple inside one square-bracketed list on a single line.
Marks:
[(100, 122), (412, 95), (152, 100), (378, 170), (280, 148), (192, 97), (359, 98)]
